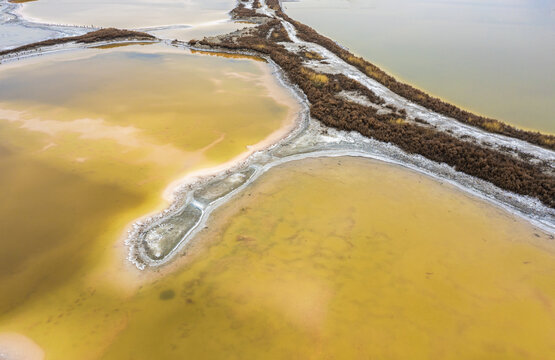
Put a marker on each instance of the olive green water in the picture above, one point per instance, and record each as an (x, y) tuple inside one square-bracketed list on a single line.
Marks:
[(327, 258), (492, 57)]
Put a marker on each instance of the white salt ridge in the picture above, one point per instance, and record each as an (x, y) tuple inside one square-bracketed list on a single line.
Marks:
[(312, 139), (338, 66)]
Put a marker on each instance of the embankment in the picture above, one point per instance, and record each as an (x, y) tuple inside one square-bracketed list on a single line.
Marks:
[(518, 174), (109, 34)]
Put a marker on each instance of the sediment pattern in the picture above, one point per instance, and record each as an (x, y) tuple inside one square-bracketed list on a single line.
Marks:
[(9, 16)]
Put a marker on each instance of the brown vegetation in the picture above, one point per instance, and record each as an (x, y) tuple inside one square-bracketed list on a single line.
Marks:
[(310, 55), (91, 37), (503, 170), (273, 4), (241, 12), (274, 29)]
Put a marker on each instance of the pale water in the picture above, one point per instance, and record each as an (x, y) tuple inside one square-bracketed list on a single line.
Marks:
[(491, 57)]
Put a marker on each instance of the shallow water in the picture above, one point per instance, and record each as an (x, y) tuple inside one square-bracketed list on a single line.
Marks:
[(164, 19), (15, 31), (199, 32), (339, 258), (89, 140), (13, 35), (491, 57), (127, 13)]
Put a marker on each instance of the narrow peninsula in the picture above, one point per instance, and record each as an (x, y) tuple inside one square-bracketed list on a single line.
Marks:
[(350, 107)]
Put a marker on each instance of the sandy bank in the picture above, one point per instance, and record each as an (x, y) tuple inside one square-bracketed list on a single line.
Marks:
[(128, 275)]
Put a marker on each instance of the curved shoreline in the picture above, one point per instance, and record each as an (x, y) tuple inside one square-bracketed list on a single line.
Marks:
[(155, 240), (308, 139), (341, 144), (288, 126), (179, 191), (512, 164)]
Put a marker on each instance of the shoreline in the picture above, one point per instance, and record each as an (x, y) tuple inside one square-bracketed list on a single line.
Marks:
[(24, 17), (148, 235), (512, 164), (102, 35), (130, 274), (14, 16), (537, 214), (179, 192), (135, 276), (255, 10), (298, 129), (287, 126)]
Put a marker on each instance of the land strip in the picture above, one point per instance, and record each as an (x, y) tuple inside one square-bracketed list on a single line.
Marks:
[(506, 168), (346, 112), (109, 34), (411, 93)]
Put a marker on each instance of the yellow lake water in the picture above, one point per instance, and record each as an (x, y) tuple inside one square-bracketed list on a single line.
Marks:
[(339, 258), (89, 140)]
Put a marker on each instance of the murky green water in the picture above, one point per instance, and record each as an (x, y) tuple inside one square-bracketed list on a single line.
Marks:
[(492, 57)]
